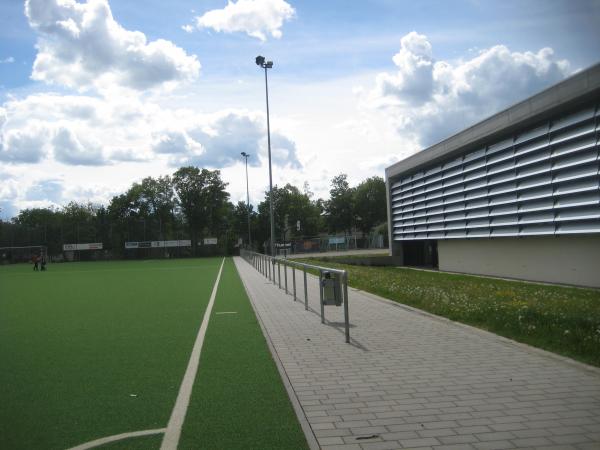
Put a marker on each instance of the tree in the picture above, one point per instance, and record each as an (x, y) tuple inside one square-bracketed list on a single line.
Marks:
[(203, 200), (41, 226), (290, 207), (79, 223), (370, 204), (157, 198), (340, 207), (239, 221)]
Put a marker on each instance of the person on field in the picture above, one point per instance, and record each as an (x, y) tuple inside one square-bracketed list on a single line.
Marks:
[(43, 264), (36, 260)]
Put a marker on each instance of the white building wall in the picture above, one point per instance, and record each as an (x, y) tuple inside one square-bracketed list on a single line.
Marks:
[(561, 259)]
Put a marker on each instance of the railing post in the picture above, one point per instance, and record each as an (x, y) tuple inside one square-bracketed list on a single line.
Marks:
[(279, 273), (285, 275), (305, 290), (294, 280), (321, 296), (346, 313)]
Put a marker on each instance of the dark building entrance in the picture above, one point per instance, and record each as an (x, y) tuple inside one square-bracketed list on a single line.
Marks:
[(420, 253)]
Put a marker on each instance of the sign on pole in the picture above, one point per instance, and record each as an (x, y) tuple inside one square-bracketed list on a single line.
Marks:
[(159, 244), (89, 246)]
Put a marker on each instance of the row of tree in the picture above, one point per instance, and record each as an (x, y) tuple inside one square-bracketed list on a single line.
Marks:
[(193, 204)]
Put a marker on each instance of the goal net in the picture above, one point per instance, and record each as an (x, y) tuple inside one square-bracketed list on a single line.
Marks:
[(12, 255)]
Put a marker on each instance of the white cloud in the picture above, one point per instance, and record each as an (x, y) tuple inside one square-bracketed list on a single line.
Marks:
[(8, 193), (283, 152), (414, 81), (68, 128), (8, 60), (46, 190), (256, 18), (126, 155), (69, 148), (428, 100), (80, 45), (93, 193), (28, 145), (84, 130), (217, 140)]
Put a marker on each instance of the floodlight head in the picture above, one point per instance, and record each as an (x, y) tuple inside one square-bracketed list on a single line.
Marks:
[(269, 64), (244, 154), (260, 60)]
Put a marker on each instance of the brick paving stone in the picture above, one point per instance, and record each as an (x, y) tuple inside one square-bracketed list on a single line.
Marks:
[(473, 429), (390, 445), (399, 435), (459, 439), (453, 447), (419, 442), (588, 446), (437, 432), (338, 432), (331, 441), (388, 421), (353, 424), (531, 442), (341, 447), (508, 426), (536, 432), (413, 377), (570, 439), (496, 436), (559, 447), (368, 430), (493, 445), (405, 427)]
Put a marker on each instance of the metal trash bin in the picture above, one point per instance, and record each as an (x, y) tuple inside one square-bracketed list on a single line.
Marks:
[(331, 284)]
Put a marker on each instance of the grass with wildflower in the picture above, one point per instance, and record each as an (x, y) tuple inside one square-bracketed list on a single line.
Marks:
[(564, 320)]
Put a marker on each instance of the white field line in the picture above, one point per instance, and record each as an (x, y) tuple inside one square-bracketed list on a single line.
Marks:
[(173, 432), (117, 437)]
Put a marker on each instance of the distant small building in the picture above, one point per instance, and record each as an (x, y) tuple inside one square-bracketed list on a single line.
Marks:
[(516, 195)]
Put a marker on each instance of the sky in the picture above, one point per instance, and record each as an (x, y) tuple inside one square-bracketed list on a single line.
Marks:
[(96, 95)]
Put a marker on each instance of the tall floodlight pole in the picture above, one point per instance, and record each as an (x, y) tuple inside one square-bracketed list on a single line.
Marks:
[(260, 61), (246, 156)]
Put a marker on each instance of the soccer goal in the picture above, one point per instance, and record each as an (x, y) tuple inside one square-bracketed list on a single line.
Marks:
[(12, 255)]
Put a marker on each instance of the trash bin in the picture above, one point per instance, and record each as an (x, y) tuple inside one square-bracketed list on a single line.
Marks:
[(331, 284)]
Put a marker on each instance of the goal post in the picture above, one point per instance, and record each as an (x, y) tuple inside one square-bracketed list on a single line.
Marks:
[(13, 255)]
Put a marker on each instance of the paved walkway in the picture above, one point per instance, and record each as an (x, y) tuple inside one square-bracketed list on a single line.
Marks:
[(409, 380)]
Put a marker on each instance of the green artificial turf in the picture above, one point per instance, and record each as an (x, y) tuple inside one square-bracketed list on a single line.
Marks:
[(136, 443), (238, 400), (89, 350), (564, 320)]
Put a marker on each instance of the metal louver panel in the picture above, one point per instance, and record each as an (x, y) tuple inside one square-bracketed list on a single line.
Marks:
[(541, 181)]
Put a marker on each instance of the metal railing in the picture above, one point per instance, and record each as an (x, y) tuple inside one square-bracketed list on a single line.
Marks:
[(270, 268)]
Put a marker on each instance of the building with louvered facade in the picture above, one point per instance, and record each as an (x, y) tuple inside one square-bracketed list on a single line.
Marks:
[(516, 195)]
